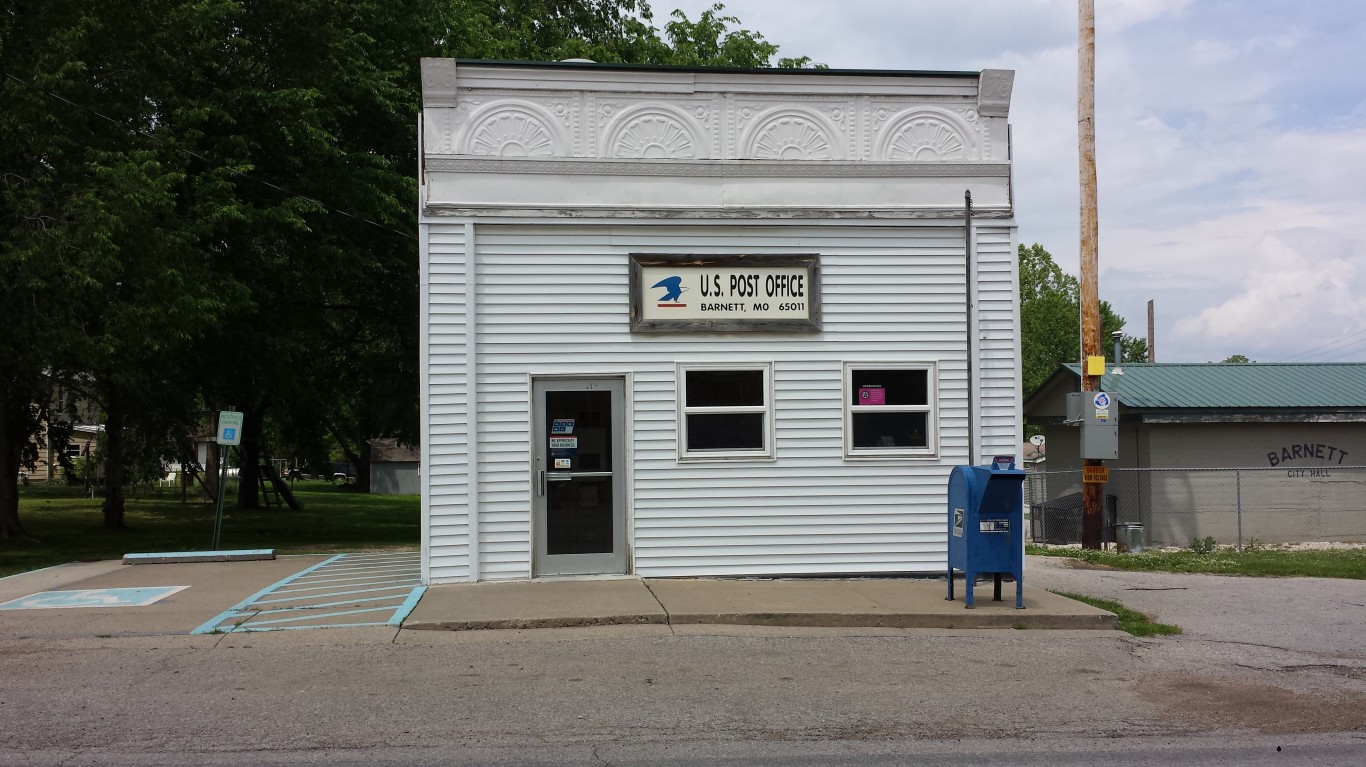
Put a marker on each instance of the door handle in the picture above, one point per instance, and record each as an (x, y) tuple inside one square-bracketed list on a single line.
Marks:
[(540, 482)]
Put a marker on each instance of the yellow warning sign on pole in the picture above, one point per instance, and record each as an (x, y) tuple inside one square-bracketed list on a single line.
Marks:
[(1095, 475)]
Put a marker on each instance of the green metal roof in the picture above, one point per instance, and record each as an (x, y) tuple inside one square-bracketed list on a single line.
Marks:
[(1232, 385)]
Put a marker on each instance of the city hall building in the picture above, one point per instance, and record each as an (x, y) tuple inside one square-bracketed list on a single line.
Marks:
[(703, 322)]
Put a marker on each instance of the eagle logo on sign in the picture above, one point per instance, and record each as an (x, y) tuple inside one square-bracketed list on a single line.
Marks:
[(673, 287)]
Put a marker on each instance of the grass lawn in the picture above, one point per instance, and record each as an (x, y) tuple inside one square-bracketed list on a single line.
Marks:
[(1132, 621), (1318, 563), (69, 527)]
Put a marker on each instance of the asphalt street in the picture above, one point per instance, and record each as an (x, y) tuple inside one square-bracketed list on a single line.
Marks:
[(1265, 664)]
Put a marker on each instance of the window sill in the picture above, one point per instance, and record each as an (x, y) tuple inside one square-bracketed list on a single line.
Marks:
[(891, 456), (726, 458)]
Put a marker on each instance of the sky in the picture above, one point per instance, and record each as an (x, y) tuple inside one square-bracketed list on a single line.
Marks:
[(1230, 140)]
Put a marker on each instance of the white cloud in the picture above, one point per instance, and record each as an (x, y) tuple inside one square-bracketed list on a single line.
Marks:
[(1120, 14), (1303, 288)]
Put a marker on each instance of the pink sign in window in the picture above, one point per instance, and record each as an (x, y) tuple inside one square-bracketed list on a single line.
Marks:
[(872, 395)]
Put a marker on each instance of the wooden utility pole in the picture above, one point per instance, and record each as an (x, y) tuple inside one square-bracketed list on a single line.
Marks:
[(1152, 349), (1092, 494)]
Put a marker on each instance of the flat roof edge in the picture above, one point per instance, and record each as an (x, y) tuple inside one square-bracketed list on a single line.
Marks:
[(781, 71)]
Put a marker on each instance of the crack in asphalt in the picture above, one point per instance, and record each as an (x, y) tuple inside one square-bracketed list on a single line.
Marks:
[(1157, 588)]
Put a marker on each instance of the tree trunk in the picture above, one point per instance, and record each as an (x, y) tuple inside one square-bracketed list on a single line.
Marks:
[(113, 464), (363, 470), (359, 458), (249, 458), (212, 472), (10, 444)]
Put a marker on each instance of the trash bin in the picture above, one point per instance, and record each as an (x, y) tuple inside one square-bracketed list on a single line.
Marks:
[(1129, 537)]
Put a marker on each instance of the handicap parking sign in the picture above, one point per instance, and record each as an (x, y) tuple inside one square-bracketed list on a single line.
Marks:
[(229, 427), (126, 597)]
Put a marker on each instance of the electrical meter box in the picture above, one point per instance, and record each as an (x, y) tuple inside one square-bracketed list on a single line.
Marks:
[(1097, 412), (986, 525)]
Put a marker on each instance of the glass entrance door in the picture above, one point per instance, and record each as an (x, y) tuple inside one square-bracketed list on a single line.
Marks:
[(578, 462)]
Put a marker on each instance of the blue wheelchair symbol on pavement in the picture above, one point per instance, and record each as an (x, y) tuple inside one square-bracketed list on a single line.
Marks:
[(128, 597)]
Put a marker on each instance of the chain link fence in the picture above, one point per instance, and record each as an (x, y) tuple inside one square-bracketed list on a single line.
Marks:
[(1231, 505)]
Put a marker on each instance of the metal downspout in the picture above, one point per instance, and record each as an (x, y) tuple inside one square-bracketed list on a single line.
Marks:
[(970, 269)]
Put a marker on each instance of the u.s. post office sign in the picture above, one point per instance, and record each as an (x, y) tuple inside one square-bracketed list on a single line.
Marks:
[(672, 293)]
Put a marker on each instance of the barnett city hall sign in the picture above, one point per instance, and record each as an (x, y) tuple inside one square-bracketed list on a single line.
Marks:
[(725, 293)]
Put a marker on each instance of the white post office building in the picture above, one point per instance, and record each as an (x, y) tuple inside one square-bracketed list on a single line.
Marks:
[(691, 322)]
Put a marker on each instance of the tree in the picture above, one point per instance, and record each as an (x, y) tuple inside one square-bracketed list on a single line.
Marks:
[(224, 213), (1050, 320), (99, 234), (330, 329), (1237, 359), (709, 42), (605, 31)]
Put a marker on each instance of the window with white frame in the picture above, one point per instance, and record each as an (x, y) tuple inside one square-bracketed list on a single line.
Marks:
[(889, 410), (725, 411)]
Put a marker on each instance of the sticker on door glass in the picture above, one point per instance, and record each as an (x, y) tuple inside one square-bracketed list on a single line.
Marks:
[(564, 443), (562, 426), (872, 395), (564, 463)]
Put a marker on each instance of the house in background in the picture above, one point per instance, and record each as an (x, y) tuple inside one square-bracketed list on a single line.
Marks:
[(1294, 429), (395, 468), (81, 442)]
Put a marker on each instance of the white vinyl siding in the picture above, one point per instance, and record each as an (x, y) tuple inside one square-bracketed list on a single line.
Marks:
[(553, 300), (998, 357), (445, 494)]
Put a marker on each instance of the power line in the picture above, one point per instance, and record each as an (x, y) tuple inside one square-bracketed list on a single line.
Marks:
[(1334, 342), (1346, 351), (198, 156)]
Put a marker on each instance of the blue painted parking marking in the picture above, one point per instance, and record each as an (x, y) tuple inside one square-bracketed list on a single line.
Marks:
[(345, 590), (125, 597)]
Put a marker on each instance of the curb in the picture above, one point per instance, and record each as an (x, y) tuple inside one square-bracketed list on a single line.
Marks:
[(966, 620)]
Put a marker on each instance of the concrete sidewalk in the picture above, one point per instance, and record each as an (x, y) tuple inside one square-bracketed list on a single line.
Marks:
[(204, 590), (846, 602)]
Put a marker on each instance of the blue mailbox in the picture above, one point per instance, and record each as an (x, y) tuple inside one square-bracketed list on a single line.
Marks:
[(986, 522)]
